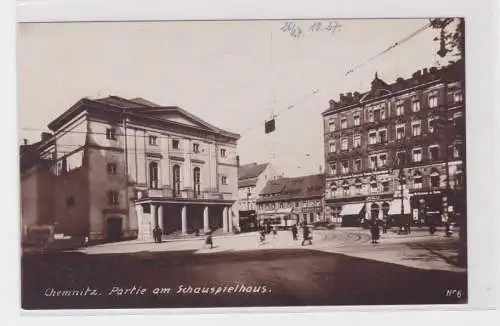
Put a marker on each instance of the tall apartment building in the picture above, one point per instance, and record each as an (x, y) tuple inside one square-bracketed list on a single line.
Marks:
[(119, 167), (397, 151)]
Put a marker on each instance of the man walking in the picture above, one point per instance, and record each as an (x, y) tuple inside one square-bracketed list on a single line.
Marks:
[(294, 232), (306, 235)]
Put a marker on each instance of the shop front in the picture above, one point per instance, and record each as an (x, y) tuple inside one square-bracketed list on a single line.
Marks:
[(248, 221), (428, 207), (281, 218)]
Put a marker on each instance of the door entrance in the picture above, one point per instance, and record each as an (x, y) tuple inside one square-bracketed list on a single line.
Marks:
[(114, 228)]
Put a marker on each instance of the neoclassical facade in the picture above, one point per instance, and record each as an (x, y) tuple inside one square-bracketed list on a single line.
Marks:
[(396, 151), (123, 166)]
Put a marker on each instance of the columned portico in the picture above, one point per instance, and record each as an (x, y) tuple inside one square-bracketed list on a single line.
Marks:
[(181, 216)]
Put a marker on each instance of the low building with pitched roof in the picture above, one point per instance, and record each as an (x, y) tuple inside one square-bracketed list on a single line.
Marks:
[(287, 201)]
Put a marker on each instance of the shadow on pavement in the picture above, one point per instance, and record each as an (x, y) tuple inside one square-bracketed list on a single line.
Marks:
[(238, 279), (435, 252)]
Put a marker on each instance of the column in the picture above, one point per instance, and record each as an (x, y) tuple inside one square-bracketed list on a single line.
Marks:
[(206, 226), (184, 220), (224, 220), (230, 219), (140, 221), (154, 215), (160, 217)]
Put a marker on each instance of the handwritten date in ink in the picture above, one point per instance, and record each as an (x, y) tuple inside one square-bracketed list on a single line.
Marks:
[(293, 29), (331, 27)]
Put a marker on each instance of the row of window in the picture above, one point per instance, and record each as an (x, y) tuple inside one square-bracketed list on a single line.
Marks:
[(379, 112), (346, 189), (289, 204), (153, 141), (379, 160)]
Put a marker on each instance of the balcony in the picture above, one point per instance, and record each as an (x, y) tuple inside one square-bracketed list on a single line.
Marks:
[(183, 194)]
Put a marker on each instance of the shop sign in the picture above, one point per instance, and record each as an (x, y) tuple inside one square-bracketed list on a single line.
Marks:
[(434, 192)]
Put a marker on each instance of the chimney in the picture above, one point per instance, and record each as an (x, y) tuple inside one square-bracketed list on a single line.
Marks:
[(46, 135), (342, 98), (349, 96), (356, 97), (425, 71), (417, 74), (332, 104), (237, 160), (25, 141)]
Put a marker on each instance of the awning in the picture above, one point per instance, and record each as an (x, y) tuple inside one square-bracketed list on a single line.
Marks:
[(395, 208), (352, 209)]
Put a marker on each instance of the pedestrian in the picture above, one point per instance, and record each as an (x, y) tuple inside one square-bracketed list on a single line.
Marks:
[(209, 239), (432, 227), (156, 234), (275, 232), (294, 232), (262, 236), (375, 232), (306, 235)]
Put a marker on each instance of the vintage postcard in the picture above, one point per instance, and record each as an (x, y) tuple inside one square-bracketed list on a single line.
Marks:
[(242, 163)]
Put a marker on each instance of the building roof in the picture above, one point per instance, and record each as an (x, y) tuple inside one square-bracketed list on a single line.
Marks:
[(252, 170), (380, 89), (248, 174), (143, 109), (293, 188)]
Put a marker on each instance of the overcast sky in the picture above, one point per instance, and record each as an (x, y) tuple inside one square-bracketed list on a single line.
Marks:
[(230, 73)]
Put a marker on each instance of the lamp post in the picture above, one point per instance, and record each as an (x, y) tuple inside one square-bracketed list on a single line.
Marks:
[(443, 125), (402, 181)]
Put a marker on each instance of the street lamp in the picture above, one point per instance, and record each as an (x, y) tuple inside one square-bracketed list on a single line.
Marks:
[(443, 125), (402, 181)]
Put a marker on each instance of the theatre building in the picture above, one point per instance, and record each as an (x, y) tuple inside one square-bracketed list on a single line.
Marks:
[(121, 166), (287, 201), (397, 151)]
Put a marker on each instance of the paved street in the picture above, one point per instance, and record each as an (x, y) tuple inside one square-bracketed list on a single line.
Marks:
[(342, 267)]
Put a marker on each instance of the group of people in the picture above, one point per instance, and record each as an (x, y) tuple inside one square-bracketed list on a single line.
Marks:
[(268, 229)]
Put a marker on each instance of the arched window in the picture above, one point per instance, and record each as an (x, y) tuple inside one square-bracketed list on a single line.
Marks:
[(196, 181), (459, 177), (346, 188), (435, 179), (153, 175), (417, 180), (358, 185), (373, 185), (176, 179)]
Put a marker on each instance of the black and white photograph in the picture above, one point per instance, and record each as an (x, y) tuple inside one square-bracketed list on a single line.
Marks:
[(242, 163)]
